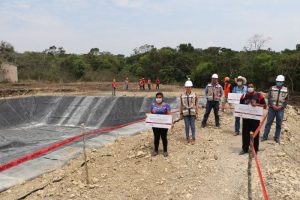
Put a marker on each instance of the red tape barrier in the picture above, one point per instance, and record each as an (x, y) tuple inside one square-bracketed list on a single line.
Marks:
[(256, 159), (47, 149)]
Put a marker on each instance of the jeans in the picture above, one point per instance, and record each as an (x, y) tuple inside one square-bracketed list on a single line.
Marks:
[(237, 124), (189, 121), (279, 117), (160, 133), (212, 105)]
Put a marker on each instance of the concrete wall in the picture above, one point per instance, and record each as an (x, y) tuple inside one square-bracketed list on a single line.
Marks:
[(8, 72)]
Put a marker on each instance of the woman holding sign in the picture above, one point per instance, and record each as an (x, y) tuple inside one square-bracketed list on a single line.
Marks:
[(252, 98), (161, 108)]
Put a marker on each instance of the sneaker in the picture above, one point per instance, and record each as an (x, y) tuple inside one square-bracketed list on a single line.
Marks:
[(187, 141), (166, 154), (277, 140), (154, 153), (242, 152), (193, 142)]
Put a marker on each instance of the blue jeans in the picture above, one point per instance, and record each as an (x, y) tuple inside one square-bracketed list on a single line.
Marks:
[(189, 121), (237, 124), (279, 117), (212, 105)]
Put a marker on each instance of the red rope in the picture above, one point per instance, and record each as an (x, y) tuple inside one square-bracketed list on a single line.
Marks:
[(256, 159), (47, 149)]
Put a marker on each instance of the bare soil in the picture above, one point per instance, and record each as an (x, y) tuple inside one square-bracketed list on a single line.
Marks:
[(210, 169)]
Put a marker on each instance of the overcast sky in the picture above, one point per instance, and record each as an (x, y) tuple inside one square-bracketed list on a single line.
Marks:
[(119, 26)]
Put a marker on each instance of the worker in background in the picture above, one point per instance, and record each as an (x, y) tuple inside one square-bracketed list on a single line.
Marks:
[(157, 82), (227, 89), (277, 100), (240, 88), (114, 87), (143, 83), (252, 98), (189, 110), (149, 84), (126, 83), (162, 108), (213, 93)]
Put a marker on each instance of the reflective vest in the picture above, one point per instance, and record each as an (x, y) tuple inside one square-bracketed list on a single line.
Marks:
[(188, 102), (278, 96), (213, 93), (227, 89)]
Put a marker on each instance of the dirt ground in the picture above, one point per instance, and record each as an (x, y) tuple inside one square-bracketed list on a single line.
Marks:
[(210, 169)]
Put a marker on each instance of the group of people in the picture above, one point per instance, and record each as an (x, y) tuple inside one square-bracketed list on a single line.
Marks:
[(277, 102), (141, 83)]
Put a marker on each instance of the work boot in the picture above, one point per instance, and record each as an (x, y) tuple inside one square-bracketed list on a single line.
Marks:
[(187, 141), (193, 141), (166, 154), (154, 153)]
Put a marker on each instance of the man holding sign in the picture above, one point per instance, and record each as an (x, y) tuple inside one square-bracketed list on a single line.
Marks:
[(238, 91), (251, 119)]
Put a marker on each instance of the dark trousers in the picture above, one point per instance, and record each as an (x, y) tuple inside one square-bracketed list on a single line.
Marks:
[(212, 105), (250, 125), (149, 86), (160, 133)]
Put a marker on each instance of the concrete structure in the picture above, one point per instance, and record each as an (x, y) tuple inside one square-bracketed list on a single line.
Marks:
[(8, 72)]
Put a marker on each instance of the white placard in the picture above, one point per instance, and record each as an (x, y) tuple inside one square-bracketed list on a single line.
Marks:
[(234, 98), (159, 121), (248, 111)]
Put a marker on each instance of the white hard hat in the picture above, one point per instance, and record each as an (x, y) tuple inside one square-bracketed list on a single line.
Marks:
[(215, 76), (280, 78), (188, 83)]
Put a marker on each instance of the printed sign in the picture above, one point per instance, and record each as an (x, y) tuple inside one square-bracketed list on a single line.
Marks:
[(159, 121), (248, 111), (234, 98)]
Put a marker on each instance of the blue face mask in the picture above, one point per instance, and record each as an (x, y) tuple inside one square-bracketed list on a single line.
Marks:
[(279, 84)]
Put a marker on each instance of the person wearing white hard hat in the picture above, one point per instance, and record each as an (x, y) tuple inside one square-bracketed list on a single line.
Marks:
[(277, 99), (189, 110), (240, 88), (213, 93)]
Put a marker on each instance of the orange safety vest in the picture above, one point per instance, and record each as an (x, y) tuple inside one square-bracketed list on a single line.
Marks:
[(227, 89)]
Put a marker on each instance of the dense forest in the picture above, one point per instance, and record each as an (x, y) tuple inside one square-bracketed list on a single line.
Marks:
[(171, 65)]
